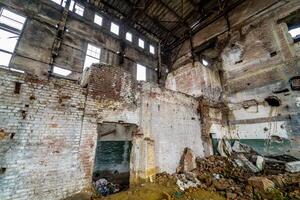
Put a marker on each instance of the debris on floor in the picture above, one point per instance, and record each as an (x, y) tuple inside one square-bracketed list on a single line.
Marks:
[(164, 187), (103, 187), (240, 174)]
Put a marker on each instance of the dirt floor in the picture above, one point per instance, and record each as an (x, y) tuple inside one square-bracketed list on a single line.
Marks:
[(163, 188), (214, 178)]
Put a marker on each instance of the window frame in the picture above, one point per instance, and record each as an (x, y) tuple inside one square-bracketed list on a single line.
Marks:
[(11, 29), (92, 57), (99, 17), (68, 72), (76, 4), (112, 24), (152, 47), (141, 68), (297, 37), (141, 41), (130, 39)]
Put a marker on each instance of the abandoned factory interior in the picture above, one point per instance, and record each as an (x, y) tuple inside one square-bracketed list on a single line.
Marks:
[(149, 99)]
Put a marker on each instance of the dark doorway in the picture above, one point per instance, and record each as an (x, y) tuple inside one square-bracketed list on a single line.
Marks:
[(112, 159)]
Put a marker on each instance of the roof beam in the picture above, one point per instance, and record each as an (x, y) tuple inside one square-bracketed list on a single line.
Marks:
[(201, 25), (108, 7), (160, 26), (182, 21)]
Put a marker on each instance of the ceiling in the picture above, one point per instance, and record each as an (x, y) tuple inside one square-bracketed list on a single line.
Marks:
[(170, 21)]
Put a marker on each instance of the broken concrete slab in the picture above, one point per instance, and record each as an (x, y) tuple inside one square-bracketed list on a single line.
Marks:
[(248, 164), (261, 183), (293, 166)]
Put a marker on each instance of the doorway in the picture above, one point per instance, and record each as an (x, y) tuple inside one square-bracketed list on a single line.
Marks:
[(112, 158)]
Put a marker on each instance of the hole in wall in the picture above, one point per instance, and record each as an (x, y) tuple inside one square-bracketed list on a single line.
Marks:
[(281, 91), (295, 83), (17, 88), (274, 53), (112, 159), (2, 170), (273, 101), (12, 135), (239, 61)]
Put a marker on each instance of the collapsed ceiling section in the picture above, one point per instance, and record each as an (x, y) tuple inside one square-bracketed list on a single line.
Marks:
[(170, 21)]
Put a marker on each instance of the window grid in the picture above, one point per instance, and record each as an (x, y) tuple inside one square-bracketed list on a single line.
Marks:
[(152, 49), (98, 19), (92, 56), (129, 37), (114, 28), (9, 35), (11, 19), (79, 9), (141, 73), (93, 51), (141, 43)]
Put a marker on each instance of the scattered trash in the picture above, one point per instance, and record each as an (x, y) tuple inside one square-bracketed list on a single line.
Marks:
[(105, 188), (187, 180)]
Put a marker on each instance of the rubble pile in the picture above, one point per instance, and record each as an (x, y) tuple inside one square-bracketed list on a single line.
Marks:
[(241, 173), (104, 187)]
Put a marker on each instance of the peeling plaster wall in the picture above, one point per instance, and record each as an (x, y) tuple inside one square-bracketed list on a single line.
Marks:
[(259, 74), (196, 81), (171, 120), (258, 58), (34, 49), (48, 132)]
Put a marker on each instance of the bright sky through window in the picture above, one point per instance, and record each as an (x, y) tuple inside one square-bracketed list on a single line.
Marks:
[(92, 55), (9, 34), (141, 73), (141, 43), (114, 28), (129, 37), (152, 49), (61, 71), (98, 19), (295, 32), (204, 62)]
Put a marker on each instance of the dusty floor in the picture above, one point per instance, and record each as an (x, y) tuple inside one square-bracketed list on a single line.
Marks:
[(162, 189)]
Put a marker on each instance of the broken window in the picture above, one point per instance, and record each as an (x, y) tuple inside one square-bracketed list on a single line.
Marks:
[(61, 71), (141, 73), (98, 19), (129, 37), (295, 33), (74, 6), (92, 55), (141, 43), (78, 9), (11, 26), (114, 28), (57, 1), (293, 23), (152, 49)]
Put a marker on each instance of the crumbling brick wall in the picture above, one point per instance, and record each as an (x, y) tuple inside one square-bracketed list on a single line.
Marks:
[(42, 122), (48, 130)]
